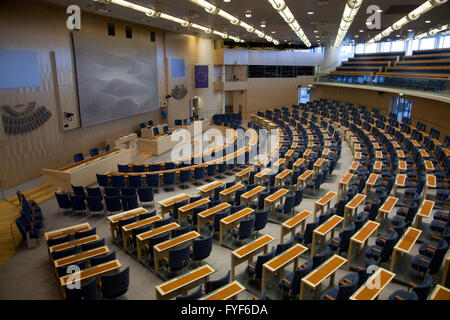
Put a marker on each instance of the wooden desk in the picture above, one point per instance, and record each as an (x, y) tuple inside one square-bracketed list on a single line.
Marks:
[(358, 156), (318, 275), (440, 293), (260, 176), (374, 285), (278, 263), (161, 250), (343, 183), (430, 183), (402, 167), (248, 251), (207, 189), (80, 256), (401, 154), (324, 201), (306, 154), (378, 155), (424, 211), (424, 154), (405, 244), (229, 192), (279, 178), (322, 231), (143, 238), (271, 200), (168, 204), (180, 285), (396, 145), (248, 196), (352, 206), (429, 166), (378, 166), (291, 224), (399, 183), (104, 268), (279, 163), (354, 167), (386, 208), (289, 154), (233, 220), (128, 229), (114, 219), (302, 180), (73, 243), (446, 267), (318, 165), (389, 137), (376, 146), (241, 175), (415, 143), (370, 182), (207, 215), (185, 210), (360, 238), (59, 233), (229, 291)]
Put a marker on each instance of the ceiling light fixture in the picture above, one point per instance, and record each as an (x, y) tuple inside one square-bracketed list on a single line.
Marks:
[(248, 14), (284, 11), (433, 32), (413, 15), (350, 11), (310, 12)]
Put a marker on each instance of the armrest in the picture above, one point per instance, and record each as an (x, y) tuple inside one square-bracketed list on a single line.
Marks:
[(431, 250), (430, 246), (376, 250), (424, 260), (329, 297), (412, 284), (251, 266), (399, 298), (436, 237)]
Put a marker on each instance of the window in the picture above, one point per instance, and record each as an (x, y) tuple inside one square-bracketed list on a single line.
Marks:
[(371, 48), (427, 43), (401, 107), (397, 46), (446, 42), (270, 71), (305, 71), (360, 48), (111, 29), (279, 71), (347, 50), (385, 46), (287, 72), (128, 32), (152, 36)]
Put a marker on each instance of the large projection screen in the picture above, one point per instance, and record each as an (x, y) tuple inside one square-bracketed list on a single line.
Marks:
[(116, 77)]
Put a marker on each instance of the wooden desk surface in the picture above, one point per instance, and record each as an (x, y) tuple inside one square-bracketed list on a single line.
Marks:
[(244, 172), (328, 225), (401, 154), (279, 162), (297, 219), (323, 271), (231, 189), (402, 165), (429, 165), (374, 285), (431, 181), (74, 243), (214, 210), (65, 231), (395, 144), (319, 162), (210, 186), (184, 280), (276, 195), (354, 166), (287, 256), (423, 153), (172, 200), (388, 136), (372, 179), (305, 175), (225, 292), (251, 193), (289, 153), (263, 172), (171, 243), (408, 239), (255, 245), (440, 293), (379, 154), (126, 214), (141, 223), (298, 162), (155, 232), (358, 155), (283, 174), (426, 209), (401, 179), (356, 201), (193, 205), (364, 233), (415, 143), (378, 165), (346, 179), (237, 215), (307, 152), (376, 145), (388, 204), (326, 198), (81, 256), (91, 272)]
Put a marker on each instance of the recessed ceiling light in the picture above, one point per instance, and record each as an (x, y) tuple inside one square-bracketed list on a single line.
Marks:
[(398, 36), (273, 31), (310, 12), (263, 24), (410, 30), (356, 36), (226, 0), (248, 14), (317, 36), (361, 30), (379, 11), (428, 21), (315, 31)]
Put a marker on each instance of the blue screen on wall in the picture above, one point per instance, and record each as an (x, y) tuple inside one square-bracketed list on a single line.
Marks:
[(177, 68), (19, 69)]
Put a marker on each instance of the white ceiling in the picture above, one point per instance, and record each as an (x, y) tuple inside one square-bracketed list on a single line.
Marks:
[(326, 20)]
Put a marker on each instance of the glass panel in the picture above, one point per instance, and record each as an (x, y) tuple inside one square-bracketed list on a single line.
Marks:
[(360, 48), (446, 42), (371, 48), (385, 46), (427, 43), (398, 46)]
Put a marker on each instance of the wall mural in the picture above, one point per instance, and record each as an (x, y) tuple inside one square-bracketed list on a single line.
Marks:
[(18, 122)]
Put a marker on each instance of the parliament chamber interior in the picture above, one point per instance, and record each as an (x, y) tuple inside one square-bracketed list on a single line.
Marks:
[(225, 150)]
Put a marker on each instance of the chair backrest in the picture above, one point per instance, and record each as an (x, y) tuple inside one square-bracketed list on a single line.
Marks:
[(128, 191), (289, 203), (140, 230), (309, 231), (78, 157), (126, 221), (78, 190), (219, 216), (346, 289), (123, 168), (130, 202), (199, 172), (115, 285), (211, 169), (87, 291), (180, 231), (193, 296), (179, 258), (63, 200), (438, 256), (64, 253), (78, 202), (284, 246), (84, 234), (237, 208), (163, 222), (260, 262), (388, 247), (103, 259), (147, 215), (112, 191), (169, 177), (146, 194), (298, 196), (202, 247), (93, 152), (95, 192), (152, 179), (261, 219), (185, 175), (212, 285), (135, 180), (345, 238), (155, 131), (113, 203), (320, 258), (153, 241), (93, 245), (300, 272), (95, 203), (118, 180), (245, 228), (54, 242), (102, 180), (150, 122)]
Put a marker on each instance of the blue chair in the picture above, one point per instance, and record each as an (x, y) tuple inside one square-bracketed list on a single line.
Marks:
[(94, 192), (169, 165), (166, 128), (288, 206), (135, 181), (254, 269), (130, 202), (284, 246), (185, 176), (181, 230), (153, 241), (107, 148), (259, 203), (341, 243), (64, 253), (215, 224), (199, 173), (102, 180), (78, 191), (115, 285), (210, 172), (420, 291), (179, 204), (192, 219), (291, 282), (112, 191), (163, 222), (178, 258), (146, 195), (127, 191), (305, 236), (63, 200), (95, 261), (431, 264), (152, 180), (193, 296), (87, 291), (122, 223), (78, 203), (212, 285), (138, 167), (382, 253), (95, 203), (202, 248), (261, 219), (347, 286), (178, 122), (155, 131), (93, 152), (78, 157), (147, 215), (113, 204), (93, 245), (245, 229), (56, 241), (84, 234), (169, 180), (403, 295), (142, 125), (150, 123), (118, 181), (123, 168), (136, 231)]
